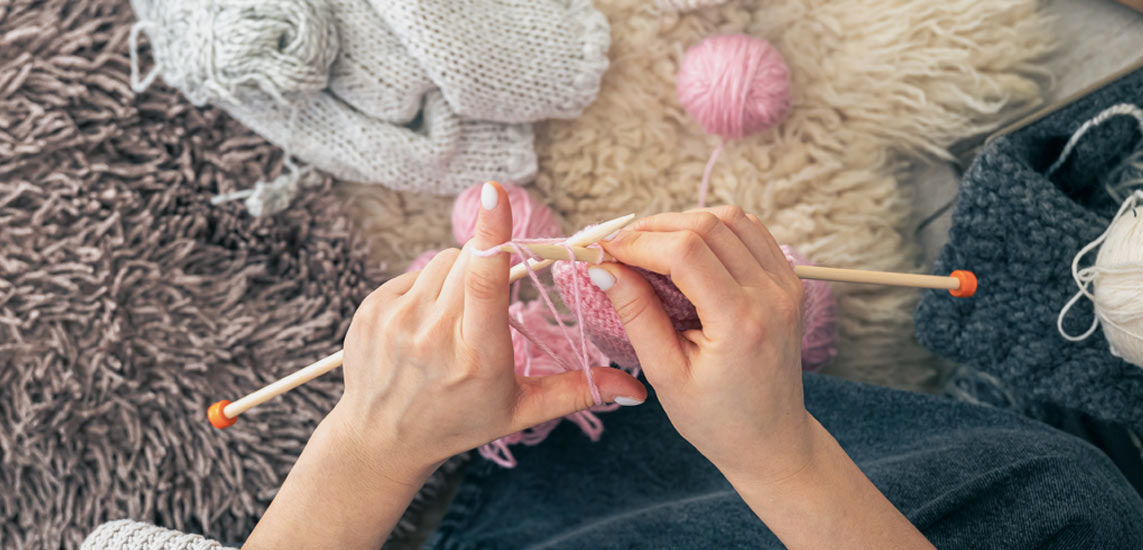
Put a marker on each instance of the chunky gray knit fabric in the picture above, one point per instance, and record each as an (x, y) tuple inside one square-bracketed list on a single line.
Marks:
[(1018, 231), (132, 535)]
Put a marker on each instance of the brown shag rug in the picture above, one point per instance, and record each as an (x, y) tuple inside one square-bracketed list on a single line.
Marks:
[(128, 303)]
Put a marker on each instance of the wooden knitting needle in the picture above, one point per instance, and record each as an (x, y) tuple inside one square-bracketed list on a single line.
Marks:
[(558, 252), (224, 414), (960, 283)]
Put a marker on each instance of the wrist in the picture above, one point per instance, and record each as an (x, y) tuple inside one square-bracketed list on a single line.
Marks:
[(775, 459), (379, 459)]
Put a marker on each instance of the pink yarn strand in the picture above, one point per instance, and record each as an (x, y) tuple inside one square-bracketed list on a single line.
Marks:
[(706, 174), (584, 362), (583, 337)]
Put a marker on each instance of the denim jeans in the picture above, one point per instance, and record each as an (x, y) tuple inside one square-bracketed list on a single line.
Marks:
[(968, 476)]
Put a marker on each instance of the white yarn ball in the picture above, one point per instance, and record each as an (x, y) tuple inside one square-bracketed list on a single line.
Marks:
[(242, 49), (1117, 278), (1119, 286)]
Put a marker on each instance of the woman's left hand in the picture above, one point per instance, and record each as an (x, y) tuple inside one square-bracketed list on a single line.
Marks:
[(428, 374), (428, 359)]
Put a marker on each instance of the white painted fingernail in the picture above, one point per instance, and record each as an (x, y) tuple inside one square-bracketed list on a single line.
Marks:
[(600, 277), (488, 196), (627, 401), (612, 235)]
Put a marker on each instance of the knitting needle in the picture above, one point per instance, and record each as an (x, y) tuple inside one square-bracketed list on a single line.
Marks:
[(224, 414), (960, 283), (559, 252)]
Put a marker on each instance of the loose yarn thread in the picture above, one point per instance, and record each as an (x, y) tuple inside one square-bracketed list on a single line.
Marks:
[(734, 86), (1115, 281), (532, 329), (541, 338)]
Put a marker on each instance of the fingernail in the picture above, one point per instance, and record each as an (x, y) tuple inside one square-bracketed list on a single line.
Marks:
[(612, 235), (600, 277), (627, 401), (489, 196)]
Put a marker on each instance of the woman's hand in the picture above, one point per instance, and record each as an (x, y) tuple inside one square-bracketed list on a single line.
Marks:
[(428, 374), (734, 387)]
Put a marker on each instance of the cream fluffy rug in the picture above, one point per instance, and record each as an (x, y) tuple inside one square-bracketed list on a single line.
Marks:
[(877, 85)]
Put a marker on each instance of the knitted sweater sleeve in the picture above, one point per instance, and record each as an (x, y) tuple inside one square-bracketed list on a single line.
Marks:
[(126, 534)]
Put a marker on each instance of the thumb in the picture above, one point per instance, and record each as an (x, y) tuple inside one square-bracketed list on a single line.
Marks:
[(544, 398)]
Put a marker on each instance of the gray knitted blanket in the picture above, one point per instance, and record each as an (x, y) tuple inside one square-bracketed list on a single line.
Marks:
[(128, 303), (1018, 231)]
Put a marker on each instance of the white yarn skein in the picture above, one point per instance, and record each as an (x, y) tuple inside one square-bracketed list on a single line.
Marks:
[(238, 49), (1117, 278)]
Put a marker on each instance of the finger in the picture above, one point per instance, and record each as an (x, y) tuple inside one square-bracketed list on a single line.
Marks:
[(429, 282), (780, 265), (486, 279), (543, 398), (398, 285), (648, 327), (692, 266), (452, 290), (755, 237), (730, 250)]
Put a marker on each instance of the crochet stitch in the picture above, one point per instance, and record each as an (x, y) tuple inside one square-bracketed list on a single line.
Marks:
[(1018, 230)]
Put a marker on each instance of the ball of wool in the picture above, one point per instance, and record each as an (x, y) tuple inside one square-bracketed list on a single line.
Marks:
[(734, 85), (531, 219), (819, 313), (226, 50)]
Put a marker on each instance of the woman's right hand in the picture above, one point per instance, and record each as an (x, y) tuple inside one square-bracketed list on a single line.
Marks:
[(733, 388)]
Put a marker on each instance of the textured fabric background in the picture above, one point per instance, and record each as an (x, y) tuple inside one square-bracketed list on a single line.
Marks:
[(128, 303), (1018, 231), (876, 84)]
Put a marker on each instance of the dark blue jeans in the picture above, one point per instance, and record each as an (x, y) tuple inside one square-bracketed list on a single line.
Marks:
[(968, 476)]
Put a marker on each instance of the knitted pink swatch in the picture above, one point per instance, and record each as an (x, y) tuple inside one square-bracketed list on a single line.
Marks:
[(602, 323)]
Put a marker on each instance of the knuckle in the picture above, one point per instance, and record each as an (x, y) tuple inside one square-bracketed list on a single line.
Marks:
[(787, 311), (480, 286), (705, 223), (448, 255), (631, 309), (731, 213), (689, 247), (487, 235), (371, 307)]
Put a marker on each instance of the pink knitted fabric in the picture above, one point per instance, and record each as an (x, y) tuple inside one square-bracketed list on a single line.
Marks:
[(603, 326), (537, 321)]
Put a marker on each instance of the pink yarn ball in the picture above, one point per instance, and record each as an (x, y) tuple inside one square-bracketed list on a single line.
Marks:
[(734, 85), (602, 323), (531, 219)]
